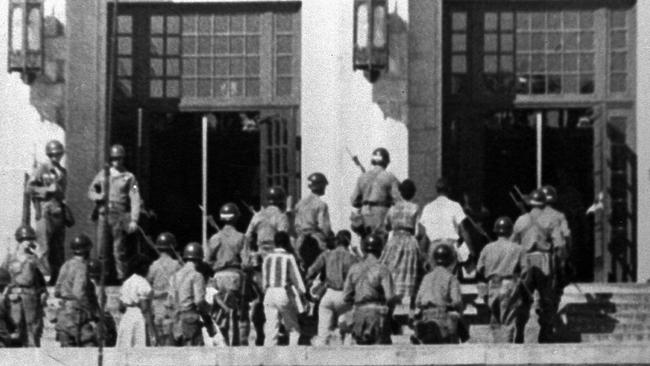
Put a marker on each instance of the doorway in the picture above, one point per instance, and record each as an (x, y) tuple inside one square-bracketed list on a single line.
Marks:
[(175, 170)]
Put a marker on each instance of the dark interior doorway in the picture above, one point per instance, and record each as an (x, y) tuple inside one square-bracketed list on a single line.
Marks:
[(510, 159), (175, 177)]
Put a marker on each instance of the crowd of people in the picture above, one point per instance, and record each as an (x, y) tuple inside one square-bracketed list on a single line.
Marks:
[(287, 267)]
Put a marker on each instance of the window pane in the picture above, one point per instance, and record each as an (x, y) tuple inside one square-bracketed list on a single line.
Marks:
[(458, 21), (490, 42), (189, 87), (157, 24), (538, 63), (252, 66), (284, 44), (156, 46), (236, 23), (124, 24), (619, 39), (570, 20), (586, 19), (491, 21), (506, 42), (538, 84), (204, 87), (252, 23), (189, 24), (538, 42), (459, 64), (283, 65), (586, 83), (619, 61), (523, 41), (252, 87), (237, 66), (173, 24), (490, 64), (523, 21), (554, 42), (172, 89), (506, 63), (570, 84), (555, 20), (554, 84), (283, 86), (236, 87), (124, 87), (586, 40), (554, 62), (205, 66), (124, 66), (459, 42), (506, 21), (173, 44), (204, 45), (570, 62), (221, 87), (221, 45), (156, 67), (252, 44), (173, 67), (237, 44), (221, 66), (189, 66), (571, 41), (283, 22), (618, 83), (619, 19), (156, 88), (124, 45), (205, 24), (523, 63), (221, 23), (587, 62), (189, 45), (538, 20)]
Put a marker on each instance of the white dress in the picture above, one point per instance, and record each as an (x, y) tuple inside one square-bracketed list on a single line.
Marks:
[(132, 331)]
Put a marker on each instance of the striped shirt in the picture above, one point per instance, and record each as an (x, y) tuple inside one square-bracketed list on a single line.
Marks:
[(280, 269)]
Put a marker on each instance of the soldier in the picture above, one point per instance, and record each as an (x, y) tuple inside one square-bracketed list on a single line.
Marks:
[(47, 185), (281, 280), (8, 330), (259, 243), (565, 231), (160, 273), (375, 192), (312, 221), (336, 264), (441, 222), (79, 305), (502, 264), (369, 286), (224, 255), (123, 208), (440, 302), (539, 234), (27, 291), (187, 299)]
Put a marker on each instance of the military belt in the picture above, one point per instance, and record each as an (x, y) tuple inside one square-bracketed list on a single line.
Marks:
[(113, 205), (409, 230), (375, 204)]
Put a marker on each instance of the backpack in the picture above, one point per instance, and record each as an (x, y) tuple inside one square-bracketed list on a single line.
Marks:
[(535, 237)]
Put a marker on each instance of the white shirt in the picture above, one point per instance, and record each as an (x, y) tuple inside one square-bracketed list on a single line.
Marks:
[(441, 218), (134, 289)]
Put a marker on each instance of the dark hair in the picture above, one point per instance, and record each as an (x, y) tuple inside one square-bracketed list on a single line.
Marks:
[(442, 186), (407, 189), (282, 240), (343, 238), (139, 265)]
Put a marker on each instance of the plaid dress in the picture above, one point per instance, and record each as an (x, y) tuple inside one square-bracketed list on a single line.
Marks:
[(402, 254)]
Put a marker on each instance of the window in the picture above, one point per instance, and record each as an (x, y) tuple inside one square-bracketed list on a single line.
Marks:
[(458, 52), (498, 50), (124, 66), (619, 50), (555, 52), (164, 56)]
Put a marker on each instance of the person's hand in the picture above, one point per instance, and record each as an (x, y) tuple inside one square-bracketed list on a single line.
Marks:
[(133, 226)]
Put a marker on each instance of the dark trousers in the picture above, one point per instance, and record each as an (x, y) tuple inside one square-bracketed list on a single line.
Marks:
[(371, 324)]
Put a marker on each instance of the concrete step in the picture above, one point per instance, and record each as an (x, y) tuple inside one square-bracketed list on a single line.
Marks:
[(616, 337)]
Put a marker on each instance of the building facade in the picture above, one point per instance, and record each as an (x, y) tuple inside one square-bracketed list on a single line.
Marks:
[(465, 85)]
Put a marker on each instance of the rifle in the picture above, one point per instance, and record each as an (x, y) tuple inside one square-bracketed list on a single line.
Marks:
[(27, 200), (248, 207), (153, 246), (355, 159), (210, 218), (518, 203)]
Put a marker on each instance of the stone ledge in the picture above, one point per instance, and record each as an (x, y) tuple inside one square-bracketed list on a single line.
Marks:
[(572, 354)]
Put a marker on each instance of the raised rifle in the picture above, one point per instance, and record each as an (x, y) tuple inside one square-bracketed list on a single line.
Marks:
[(355, 159), (520, 205)]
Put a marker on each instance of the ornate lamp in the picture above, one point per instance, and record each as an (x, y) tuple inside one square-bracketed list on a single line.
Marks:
[(25, 51), (370, 37)]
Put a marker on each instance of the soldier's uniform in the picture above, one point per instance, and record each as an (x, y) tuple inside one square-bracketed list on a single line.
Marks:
[(376, 190), (312, 222), (541, 260), (159, 276), (27, 296), (8, 334), (123, 208), (224, 255), (501, 264), (369, 286), (439, 299), (48, 185), (187, 296), (79, 306)]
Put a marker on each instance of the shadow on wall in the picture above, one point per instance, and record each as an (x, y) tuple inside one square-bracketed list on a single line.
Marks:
[(47, 93), (389, 91)]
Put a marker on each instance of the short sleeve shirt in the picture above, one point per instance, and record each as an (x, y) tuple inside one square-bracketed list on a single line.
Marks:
[(441, 218), (135, 289)]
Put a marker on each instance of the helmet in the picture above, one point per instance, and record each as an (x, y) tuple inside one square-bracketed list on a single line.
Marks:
[(25, 232), (503, 226), (81, 244), (276, 195), (165, 240), (229, 212), (443, 255), (380, 156), (550, 193), (193, 251), (537, 198), (117, 151), (54, 147), (372, 243), (317, 181), (5, 277), (94, 268)]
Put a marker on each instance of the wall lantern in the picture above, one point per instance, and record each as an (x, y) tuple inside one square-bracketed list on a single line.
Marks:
[(25, 51), (370, 37)]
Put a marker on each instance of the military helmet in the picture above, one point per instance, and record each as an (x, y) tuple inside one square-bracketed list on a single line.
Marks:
[(25, 232), (317, 181), (372, 243), (166, 240), (443, 255), (54, 147), (229, 213), (81, 244), (276, 195), (5, 277), (537, 198), (117, 152), (380, 156), (193, 251), (94, 268), (503, 226), (550, 193)]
